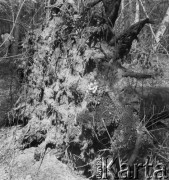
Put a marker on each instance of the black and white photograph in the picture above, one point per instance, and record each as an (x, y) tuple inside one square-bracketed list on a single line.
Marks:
[(84, 89)]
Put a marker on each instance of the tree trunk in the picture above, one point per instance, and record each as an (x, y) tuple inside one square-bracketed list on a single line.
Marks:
[(75, 85), (161, 30), (122, 9), (136, 19), (16, 35), (137, 13), (131, 16)]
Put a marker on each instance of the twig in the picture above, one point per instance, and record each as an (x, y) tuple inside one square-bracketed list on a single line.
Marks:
[(11, 21), (14, 23), (106, 128)]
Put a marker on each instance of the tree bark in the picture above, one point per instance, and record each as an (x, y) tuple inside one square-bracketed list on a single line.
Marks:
[(16, 34), (136, 19), (131, 14), (137, 13), (122, 9), (161, 30)]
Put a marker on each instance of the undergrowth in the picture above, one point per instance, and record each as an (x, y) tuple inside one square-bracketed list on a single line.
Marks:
[(70, 98)]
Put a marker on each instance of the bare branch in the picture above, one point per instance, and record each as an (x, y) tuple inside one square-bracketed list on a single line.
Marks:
[(25, 26), (124, 41), (128, 73), (137, 75)]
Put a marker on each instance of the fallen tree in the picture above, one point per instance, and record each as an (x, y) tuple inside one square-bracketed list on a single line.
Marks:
[(71, 99)]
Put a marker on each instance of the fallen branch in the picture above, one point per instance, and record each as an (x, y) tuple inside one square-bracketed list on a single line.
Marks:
[(128, 73), (137, 75)]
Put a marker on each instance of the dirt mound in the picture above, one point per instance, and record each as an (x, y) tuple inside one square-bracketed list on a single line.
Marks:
[(21, 165)]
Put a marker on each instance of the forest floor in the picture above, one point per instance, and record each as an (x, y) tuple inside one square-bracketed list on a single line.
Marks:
[(18, 164), (21, 165)]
